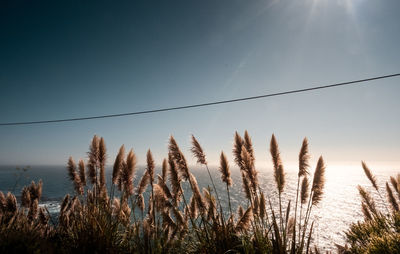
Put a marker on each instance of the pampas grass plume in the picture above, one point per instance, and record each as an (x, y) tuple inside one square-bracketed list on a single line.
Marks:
[(198, 152), (318, 181), (391, 198), (369, 175), (303, 158), (116, 173), (224, 169)]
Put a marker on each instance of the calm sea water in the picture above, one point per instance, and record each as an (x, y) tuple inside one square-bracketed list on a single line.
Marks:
[(339, 207)]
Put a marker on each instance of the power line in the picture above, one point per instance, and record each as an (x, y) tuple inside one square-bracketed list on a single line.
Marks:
[(354, 82)]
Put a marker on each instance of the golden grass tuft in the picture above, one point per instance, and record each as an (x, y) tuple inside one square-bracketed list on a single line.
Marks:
[(198, 152), (128, 172), (118, 164), (369, 175), (391, 198), (318, 181), (244, 220), (304, 190), (279, 173), (224, 169), (303, 158), (367, 199)]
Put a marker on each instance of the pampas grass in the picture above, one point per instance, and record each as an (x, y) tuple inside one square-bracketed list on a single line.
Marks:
[(378, 233), (318, 182), (117, 168), (96, 220), (391, 198), (369, 175), (278, 167)]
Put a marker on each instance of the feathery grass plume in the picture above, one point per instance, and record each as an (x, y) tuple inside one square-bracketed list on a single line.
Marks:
[(64, 203), (246, 184), (164, 186), (303, 158), (249, 146), (193, 207), (160, 197), (398, 183), (71, 169), (262, 206), (74, 177), (78, 185), (93, 163), (150, 208), (304, 190), (73, 204), (144, 181), (391, 198), (226, 177), (164, 170), (11, 203), (140, 202), (197, 194), (33, 210), (395, 184), (198, 151), (77, 204), (179, 158), (2, 202), (240, 211), (116, 206), (365, 211), (178, 217), (369, 175), (43, 217), (224, 169), (174, 179), (102, 152), (126, 211), (150, 166), (118, 165), (119, 179), (39, 188), (211, 204), (90, 197), (128, 172), (256, 206), (36, 190), (248, 167), (278, 167), (244, 220), (318, 181), (367, 199), (25, 197), (82, 176), (237, 149), (102, 162), (167, 221)]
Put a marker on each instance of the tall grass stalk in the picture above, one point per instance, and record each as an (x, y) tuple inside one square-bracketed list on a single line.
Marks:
[(97, 219)]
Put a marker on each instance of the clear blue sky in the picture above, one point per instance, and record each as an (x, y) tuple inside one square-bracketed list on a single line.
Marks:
[(63, 59)]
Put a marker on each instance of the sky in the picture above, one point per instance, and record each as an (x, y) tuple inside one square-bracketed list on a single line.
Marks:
[(66, 59)]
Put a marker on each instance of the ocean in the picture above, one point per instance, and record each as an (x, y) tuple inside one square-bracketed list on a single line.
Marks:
[(339, 207)]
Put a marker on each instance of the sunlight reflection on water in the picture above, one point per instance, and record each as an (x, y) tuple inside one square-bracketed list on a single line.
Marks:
[(339, 207)]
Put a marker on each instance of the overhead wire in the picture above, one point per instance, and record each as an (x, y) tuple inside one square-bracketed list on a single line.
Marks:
[(347, 83)]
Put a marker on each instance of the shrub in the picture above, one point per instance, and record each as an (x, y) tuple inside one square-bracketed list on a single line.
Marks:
[(379, 232)]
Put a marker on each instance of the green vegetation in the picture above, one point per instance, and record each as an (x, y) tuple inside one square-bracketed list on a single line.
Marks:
[(380, 230), (117, 219)]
